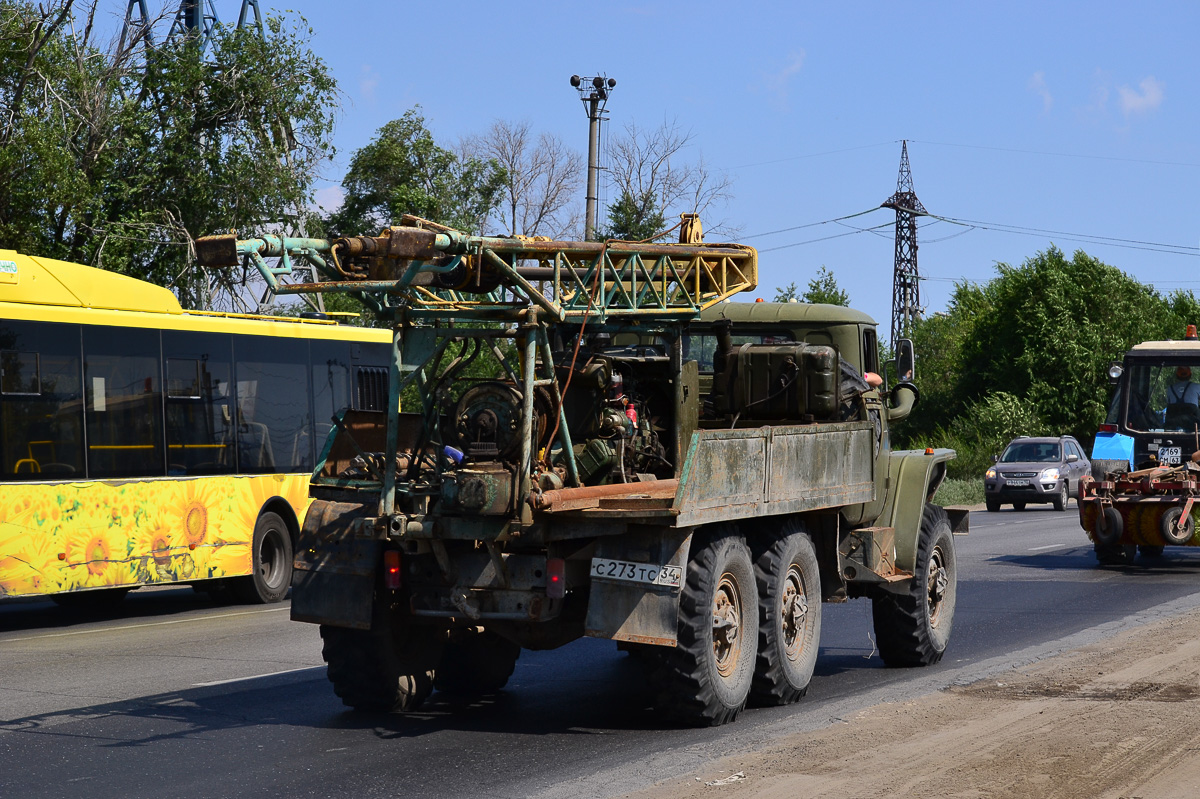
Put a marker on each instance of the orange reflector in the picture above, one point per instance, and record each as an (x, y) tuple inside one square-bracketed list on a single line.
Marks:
[(391, 569), (62, 555), (556, 578)]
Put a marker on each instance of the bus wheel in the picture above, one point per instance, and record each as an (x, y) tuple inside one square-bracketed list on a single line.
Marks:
[(705, 680), (271, 573), (913, 628), (386, 669), (789, 621)]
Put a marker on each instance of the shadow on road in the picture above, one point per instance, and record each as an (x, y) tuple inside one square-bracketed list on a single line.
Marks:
[(1180, 561), (31, 614)]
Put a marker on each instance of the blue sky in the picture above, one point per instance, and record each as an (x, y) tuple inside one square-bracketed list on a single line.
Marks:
[(1079, 118)]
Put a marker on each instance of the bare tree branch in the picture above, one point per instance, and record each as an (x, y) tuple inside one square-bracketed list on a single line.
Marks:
[(650, 165), (543, 179)]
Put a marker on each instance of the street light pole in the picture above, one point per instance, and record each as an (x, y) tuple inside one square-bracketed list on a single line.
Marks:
[(594, 98)]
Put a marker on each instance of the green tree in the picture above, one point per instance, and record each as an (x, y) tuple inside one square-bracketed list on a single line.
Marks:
[(1042, 332), (122, 154), (633, 218), (404, 171), (824, 289)]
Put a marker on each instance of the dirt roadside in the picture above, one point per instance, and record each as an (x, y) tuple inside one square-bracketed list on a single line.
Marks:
[(1118, 719)]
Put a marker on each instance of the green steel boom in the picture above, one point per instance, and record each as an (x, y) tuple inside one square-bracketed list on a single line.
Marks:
[(436, 271)]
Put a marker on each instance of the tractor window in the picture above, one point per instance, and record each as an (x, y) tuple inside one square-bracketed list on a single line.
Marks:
[(1163, 397)]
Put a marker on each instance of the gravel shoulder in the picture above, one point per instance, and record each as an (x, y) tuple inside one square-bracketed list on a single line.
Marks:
[(1115, 719)]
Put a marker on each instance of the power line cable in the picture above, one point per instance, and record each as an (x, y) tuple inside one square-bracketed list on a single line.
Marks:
[(1058, 155)]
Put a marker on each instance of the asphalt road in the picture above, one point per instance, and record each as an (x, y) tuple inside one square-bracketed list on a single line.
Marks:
[(175, 696)]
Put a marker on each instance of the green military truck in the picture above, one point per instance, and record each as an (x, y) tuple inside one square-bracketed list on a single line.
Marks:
[(592, 439)]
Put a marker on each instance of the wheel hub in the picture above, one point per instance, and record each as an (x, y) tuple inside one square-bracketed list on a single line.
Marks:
[(795, 613), (727, 615), (939, 584)]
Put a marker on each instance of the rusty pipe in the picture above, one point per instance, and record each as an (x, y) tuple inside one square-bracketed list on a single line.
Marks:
[(592, 494)]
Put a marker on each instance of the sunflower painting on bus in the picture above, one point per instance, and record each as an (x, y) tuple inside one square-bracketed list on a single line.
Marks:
[(66, 537)]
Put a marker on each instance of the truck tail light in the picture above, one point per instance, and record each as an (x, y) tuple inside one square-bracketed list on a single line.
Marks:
[(556, 578), (1108, 428), (391, 569)]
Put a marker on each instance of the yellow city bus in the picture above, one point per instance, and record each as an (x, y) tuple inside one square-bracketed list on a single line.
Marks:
[(141, 444)]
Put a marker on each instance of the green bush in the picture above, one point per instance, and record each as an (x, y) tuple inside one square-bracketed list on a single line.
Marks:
[(960, 492)]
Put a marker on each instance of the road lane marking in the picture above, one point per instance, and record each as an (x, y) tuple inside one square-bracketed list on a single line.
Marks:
[(255, 677), (137, 626), (1048, 546)]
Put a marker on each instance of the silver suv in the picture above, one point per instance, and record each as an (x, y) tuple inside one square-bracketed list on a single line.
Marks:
[(1045, 469)]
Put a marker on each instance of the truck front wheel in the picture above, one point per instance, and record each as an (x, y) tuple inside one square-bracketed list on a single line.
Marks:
[(789, 621), (705, 680), (913, 628), (385, 669)]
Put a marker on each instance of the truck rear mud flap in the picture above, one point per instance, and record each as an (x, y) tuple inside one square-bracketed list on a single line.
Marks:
[(635, 584), (333, 576)]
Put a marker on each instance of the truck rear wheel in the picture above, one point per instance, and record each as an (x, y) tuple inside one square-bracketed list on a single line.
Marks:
[(789, 618), (705, 680), (913, 628), (385, 669), (475, 661)]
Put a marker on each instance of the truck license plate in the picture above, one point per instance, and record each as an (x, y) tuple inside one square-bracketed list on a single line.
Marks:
[(1170, 455), (628, 571)]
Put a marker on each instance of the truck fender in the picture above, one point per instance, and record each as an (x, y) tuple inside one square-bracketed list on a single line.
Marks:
[(913, 476)]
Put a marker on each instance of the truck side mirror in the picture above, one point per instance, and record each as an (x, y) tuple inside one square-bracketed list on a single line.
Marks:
[(906, 361)]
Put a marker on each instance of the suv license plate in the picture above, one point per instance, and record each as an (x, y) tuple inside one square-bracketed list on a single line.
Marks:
[(1171, 455), (628, 571), (1017, 483)]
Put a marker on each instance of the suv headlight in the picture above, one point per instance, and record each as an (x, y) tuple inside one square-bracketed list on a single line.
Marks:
[(990, 473), (1049, 474)]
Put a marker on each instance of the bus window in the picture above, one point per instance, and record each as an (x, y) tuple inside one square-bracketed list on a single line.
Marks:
[(273, 417), (41, 416), (121, 377), (330, 385), (198, 369)]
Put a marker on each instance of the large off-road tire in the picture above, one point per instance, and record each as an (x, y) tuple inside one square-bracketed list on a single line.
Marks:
[(913, 628), (993, 505), (789, 617), (705, 680), (1018, 506), (1062, 497), (475, 661), (271, 570), (388, 668)]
